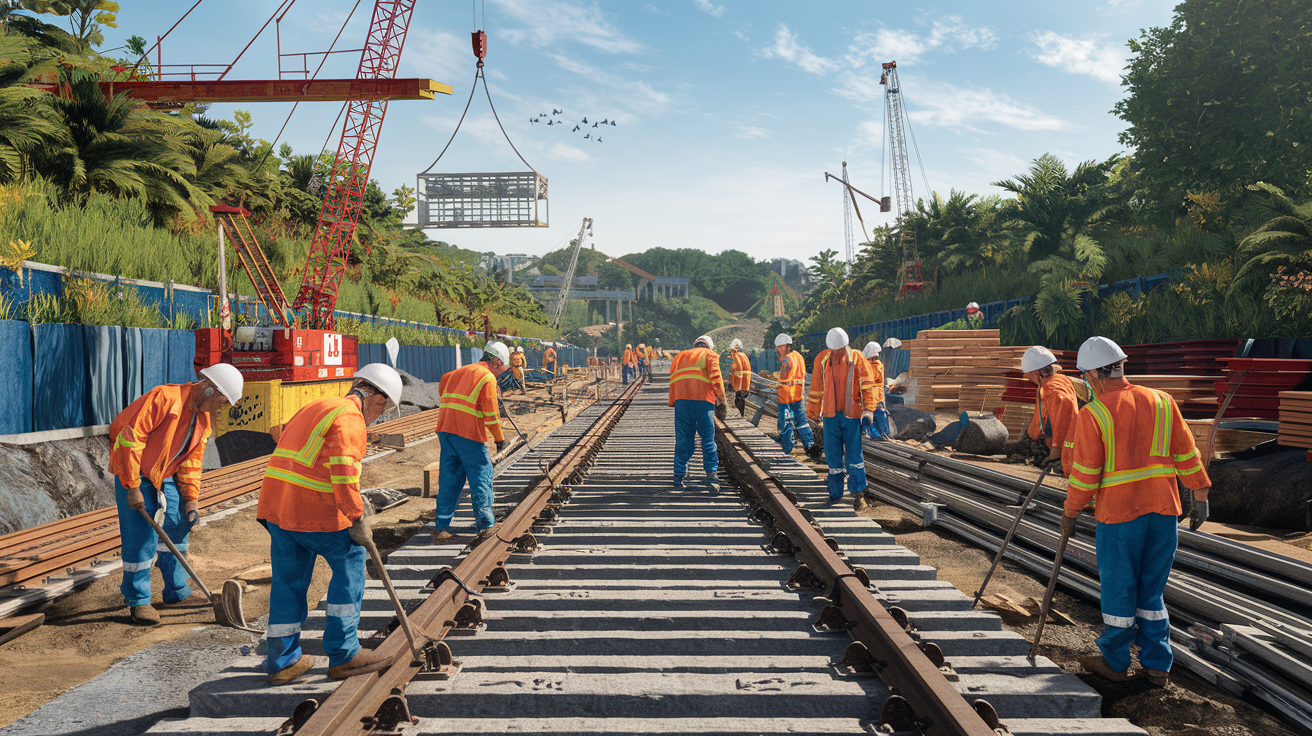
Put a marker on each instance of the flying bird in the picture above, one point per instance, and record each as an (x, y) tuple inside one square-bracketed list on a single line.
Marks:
[(533, 120), (554, 111), (585, 121), (589, 135), (576, 129), (595, 124), (612, 122), (599, 139), (604, 121), (550, 122)]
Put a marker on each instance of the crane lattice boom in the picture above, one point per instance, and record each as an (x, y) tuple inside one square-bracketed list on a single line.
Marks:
[(909, 278), (559, 311)]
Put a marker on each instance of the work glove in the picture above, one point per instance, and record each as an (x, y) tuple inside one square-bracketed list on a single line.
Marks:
[(191, 512), (1067, 525), (501, 445), (136, 501), (740, 402), (721, 411), (867, 418), (1198, 515), (361, 533)]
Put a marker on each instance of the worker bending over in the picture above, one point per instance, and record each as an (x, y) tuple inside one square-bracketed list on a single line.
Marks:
[(1058, 404), (878, 429), (792, 382), (843, 398), (740, 375), (628, 365), (517, 363), (467, 415), (1130, 445), (159, 441), (548, 360), (311, 505), (697, 394)]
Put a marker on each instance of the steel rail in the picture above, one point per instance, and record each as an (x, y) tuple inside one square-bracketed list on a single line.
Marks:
[(377, 699), (939, 710)]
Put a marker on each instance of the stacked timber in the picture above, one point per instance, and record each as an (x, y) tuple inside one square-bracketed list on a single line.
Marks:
[(1181, 358), (1257, 384), (1296, 419), (942, 360)]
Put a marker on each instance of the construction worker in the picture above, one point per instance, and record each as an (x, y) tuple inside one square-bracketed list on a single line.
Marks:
[(159, 441), (843, 398), (792, 382), (467, 416), (651, 356), (311, 505), (1057, 406), (629, 365), (696, 393), (1129, 447), (549, 360), (642, 358), (974, 317), (517, 363), (740, 375), (878, 430)]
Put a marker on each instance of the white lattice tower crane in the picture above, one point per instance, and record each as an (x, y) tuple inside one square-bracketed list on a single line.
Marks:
[(584, 229), (895, 133)]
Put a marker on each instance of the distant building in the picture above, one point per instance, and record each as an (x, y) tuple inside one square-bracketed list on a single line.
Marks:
[(510, 263)]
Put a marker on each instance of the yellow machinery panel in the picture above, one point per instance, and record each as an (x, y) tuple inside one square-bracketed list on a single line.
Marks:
[(268, 404)]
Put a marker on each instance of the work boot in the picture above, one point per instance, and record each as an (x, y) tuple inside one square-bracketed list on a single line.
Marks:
[(364, 662), (678, 483), (813, 452), (145, 615), (292, 671), (445, 536), (1159, 678), (712, 485), (1098, 666), (195, 600), (859, 503)]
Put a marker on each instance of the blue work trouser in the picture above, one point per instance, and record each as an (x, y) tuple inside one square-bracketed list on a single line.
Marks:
[(843, 455), (142, 548), (626, 373), (293, 556), (1134, 562), (880, 429), (691, 418), (463, 459), (790, 416)]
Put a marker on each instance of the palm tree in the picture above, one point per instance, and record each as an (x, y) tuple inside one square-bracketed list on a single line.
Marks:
[(220, 171), (1285, 239), (1051, 199), (27, 121)]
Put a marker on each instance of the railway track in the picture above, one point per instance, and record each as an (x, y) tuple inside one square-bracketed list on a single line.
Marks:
[(612, 604)]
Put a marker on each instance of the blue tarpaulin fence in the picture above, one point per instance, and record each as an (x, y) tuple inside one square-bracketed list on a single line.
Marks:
[(172, 300)]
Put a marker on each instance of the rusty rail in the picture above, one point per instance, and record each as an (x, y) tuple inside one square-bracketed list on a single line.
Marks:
[(923, 700), (376, 701)]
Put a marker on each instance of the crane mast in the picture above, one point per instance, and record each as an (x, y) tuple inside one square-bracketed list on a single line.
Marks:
[(584, 229), (849, 241), (909, 278)]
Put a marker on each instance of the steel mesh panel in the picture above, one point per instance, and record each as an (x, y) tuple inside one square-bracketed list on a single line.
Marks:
[(482, 200)]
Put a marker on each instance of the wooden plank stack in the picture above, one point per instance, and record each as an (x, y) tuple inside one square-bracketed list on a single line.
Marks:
[(1261, 383), (941, 359), (1296, 419)]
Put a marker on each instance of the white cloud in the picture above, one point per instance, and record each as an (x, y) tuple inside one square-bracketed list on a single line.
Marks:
[(787, 48), (565, 152), (554, 23), (652, 9), (635, 94), (753, 133), (997, 164), (438, 54), (948, 34), (1102, 61), (706, 7), (948, 106)]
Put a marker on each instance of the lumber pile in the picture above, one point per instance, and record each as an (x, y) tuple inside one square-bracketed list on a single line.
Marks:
[(943, 361), (1296, 419), (1257, 384), (1181, 358)]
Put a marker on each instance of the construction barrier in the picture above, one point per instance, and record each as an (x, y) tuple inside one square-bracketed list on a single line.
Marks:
[(172, 300)]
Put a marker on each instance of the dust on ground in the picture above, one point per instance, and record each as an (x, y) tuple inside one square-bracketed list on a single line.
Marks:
[(87, 632)]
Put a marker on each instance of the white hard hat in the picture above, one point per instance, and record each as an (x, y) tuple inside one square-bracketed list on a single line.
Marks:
[(705, 341), (1098, 352), (629, 346), (226, 379), (384, 378), (972, 305), (519, 349), (782, 339), (836, 339), (1035, 358), (892, 343), (499, 350), (871, 349), (736, 344)]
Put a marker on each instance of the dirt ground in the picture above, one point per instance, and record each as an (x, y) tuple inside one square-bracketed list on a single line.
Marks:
[(87, 632)]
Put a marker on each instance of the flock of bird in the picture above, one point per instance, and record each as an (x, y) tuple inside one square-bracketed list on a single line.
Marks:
[(581, 125)]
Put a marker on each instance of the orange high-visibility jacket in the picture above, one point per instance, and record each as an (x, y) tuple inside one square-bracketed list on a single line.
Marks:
[(548, 356), (740, 372), (695, 374), (1058, 406), (876, 377), (1129, 446), (469, 403), (651, 354), (840, 378), (792, 378), (312, 483), (630, 358), (148, 434)]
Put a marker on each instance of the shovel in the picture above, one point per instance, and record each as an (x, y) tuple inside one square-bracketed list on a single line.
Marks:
[(1052, 587), (396, 601), (227, 606), (1015, 524)]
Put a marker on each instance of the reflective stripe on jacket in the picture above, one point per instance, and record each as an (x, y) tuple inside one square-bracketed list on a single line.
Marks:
[(469, 403), (1055, 415), (792, 378), (312, 483), (148, 435), (740, 372), (1129, 446), (695, 374), (851, 380)]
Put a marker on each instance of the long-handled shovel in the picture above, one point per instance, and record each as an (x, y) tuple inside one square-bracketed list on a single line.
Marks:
[(227, 606), (1052, 587), (1015, 524), (396, 602)]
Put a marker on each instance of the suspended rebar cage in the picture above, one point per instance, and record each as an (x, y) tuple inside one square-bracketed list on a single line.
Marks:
[(511, 199)]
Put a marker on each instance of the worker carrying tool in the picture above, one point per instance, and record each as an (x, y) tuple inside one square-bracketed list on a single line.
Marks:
[(642, 358), (468, 414), (740, 375), (1059, 401), (159, 441), (792, 382), (697, 394), (1129, 446), (517, 363), (311, 505), (628, 365), (548, 359), (843, 399), (878, 429)]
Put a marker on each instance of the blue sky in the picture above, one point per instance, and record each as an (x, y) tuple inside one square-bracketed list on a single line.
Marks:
[(729, 112)]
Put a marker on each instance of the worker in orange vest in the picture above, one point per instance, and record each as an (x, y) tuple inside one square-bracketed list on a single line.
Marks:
[(311, 505), (159, 440), (792, 383), (468, 414), (651, 356), (697, 394), (517, 363), (843, 399), (878, 429), (1130, 445), (740, 375), (549, 360), (642, 358), (628, 365), (1059, 400)]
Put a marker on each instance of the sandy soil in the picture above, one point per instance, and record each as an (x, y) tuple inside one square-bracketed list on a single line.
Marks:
[(88, 631)]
